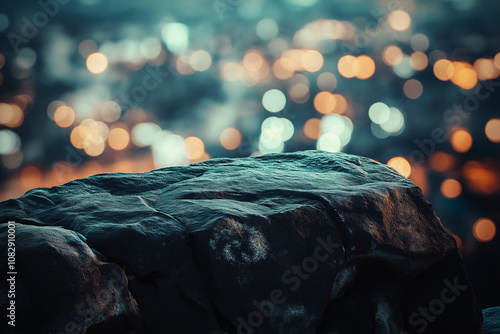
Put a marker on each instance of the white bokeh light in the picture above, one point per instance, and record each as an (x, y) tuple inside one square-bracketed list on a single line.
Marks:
[(274, 100)]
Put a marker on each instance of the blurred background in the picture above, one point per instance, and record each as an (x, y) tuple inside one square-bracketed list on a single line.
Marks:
[(91, 86)]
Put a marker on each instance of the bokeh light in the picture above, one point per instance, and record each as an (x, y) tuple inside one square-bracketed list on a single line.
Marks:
[(312, 61), (401, 165), (14, 159), (329, 142), (110, 111), (97, 63), (362, 67), (451, 188), (312, 128), (392, 55), (396, 122), (327, 81), (440, 161), (464, 75), (200, 60), (341, 126), (4, 22), (118, 138), (283, 68), (9, 141), (267, 28), (86, 47), (484, 229), (419, 42), (176, 36), (143, 134), (404, 68), (461, 140), (399, 20), (195, 148), (325, 102), (419, 61), (443, 69), (492, 130), (486, 69), (11, 115), (64, 116), (253, 60), (299, 93), (274, 100), (413, 89), (348, 66), (169, 150), (366, 67), (379, 113), (230, 138), (481, 178)]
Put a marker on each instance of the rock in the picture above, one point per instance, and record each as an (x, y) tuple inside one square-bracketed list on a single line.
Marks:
[(62, 286), (491, 323), (307, 242)]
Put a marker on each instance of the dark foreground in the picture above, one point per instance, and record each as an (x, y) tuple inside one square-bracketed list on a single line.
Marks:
[(288, 243)]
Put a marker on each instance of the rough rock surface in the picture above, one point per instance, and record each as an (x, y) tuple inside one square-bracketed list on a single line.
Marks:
[(491, 323), (307, 242)]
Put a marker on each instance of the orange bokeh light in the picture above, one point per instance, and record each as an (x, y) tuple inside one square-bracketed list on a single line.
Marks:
[(11, 115), (486, 69), (362, 67), (366, 67), (230, 138), (441, 161), (392, 55), (401, 165), (451, 188), (31, 177), (312, 61), (312, 128), (195, 148), (443, 69), (283, 68), (253, 60), (419, 61), (419, 177), (461, 140), (464, 75), (118, 139), (64, 116), (484, 229), (348, 66), (492, 130), (325, 102), (481, 178)]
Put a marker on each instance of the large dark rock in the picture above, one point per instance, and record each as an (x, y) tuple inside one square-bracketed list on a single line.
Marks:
[(286, 243)]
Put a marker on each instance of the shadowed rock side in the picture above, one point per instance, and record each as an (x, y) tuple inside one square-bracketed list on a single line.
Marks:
[(305, 242)]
